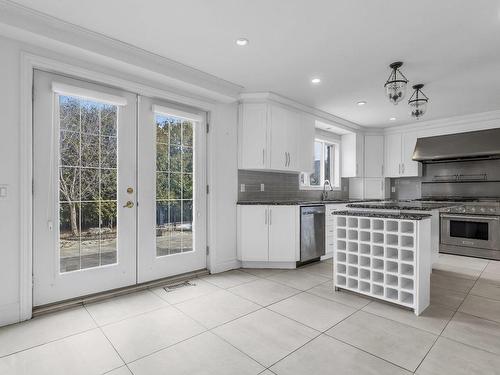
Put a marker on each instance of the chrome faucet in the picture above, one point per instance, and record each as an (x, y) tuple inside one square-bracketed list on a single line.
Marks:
[(324, 196)]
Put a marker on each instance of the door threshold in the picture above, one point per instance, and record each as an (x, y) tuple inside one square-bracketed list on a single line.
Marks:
[(96, 297)]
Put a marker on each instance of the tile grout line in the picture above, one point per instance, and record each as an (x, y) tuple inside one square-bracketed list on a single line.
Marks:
[(449, 321), (110, 343)]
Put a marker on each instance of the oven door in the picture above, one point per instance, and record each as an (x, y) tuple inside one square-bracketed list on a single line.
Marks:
[(471, 231)]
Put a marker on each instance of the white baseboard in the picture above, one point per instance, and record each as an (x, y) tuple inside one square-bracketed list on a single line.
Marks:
[(9, 314), (284, 265), (226, 266), (327, 256)]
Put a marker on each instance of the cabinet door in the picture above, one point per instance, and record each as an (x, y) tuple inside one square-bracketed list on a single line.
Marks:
[(293, 140), (393, 155), (352, 155), (253, 233), (279, 118), (374, 155), (374, 188), (305, 144), (282, 233), (253, 151), (409, 167)]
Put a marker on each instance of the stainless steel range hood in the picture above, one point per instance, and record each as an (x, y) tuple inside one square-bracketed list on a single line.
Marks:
[(477, 145)]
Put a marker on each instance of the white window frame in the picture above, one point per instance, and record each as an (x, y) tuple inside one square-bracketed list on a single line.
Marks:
[(304, 182)]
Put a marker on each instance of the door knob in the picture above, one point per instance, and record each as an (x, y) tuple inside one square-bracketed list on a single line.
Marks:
[(130, 190), (129, 204)]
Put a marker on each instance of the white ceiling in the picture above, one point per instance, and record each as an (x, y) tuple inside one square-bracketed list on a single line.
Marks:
[(452, 46)]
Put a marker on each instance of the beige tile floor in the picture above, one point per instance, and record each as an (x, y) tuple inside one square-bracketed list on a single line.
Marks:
[(270, 322)]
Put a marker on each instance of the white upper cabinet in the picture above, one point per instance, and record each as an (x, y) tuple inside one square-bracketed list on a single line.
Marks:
[(374, 156), (409, 167), (252, 136), (398, 155), (273, 137), (393, 155), (352, 155)]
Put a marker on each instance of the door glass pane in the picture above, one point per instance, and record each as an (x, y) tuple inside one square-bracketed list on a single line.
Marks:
[(87, 184), (469, 229), (174, 185)]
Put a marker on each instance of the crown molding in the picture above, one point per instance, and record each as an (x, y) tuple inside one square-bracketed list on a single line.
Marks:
[(316, 113), (42, 30), (469, 121)]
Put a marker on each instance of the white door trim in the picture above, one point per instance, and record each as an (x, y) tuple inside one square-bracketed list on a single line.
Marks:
[(29, 62)]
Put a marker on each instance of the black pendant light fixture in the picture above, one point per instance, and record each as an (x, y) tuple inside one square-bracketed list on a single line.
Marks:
[(418, 102), (395, 87)]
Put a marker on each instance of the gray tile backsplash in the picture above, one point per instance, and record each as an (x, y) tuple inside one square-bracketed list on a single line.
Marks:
[(280, 186)]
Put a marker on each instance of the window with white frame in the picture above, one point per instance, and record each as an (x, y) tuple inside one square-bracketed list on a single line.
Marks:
[(325, 166)]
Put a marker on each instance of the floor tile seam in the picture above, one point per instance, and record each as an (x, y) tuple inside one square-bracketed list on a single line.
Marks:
[(192, 298), (478, 317), (470, 346), (277, 270), (130, 316), (272, 303), (341, 303), (240, 350), (110, 343), (163, 348), (289, 318), (232, 286), (49, 342), (293, 351), (367, 352), (408, 325)]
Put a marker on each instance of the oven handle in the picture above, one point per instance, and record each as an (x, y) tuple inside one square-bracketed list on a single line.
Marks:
[(472, 217)]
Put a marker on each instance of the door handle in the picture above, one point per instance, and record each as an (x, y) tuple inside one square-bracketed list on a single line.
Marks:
[(289, 159), (129, 204), (265, 216), (270, 216), (403, 168), (286, 159), (399, 171), (263, 157)]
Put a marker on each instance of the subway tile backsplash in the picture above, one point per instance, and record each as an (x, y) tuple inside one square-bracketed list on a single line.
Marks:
[(280, 186)]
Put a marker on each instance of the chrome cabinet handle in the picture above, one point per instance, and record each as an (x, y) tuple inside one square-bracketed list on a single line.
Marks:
[(129, 204), (289, 159), (399, 171), (270, 216), (265, 216), (403, 168), (263, 157), (472, 217)]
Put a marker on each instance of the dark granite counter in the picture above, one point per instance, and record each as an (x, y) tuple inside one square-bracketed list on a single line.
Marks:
[(401, 216), (403, 205), (303, 202)]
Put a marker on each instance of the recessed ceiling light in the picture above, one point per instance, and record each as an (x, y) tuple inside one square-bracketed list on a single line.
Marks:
[(361, 103), (315, 81), (242, 41), (392, 119)]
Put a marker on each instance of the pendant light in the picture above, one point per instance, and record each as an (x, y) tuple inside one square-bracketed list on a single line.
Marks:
[(418, 102), (395, 87)]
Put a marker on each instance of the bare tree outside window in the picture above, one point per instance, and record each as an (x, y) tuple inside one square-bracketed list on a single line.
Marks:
[(87, 183)]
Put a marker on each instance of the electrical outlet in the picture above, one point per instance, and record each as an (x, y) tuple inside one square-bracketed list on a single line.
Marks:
[(393, 189), (261, 187), (242, 188), (3, 191)]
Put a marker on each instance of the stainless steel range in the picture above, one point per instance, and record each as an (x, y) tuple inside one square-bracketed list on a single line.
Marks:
[(471, 229)]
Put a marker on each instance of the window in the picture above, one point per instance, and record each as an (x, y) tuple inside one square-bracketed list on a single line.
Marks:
[(325, 167)]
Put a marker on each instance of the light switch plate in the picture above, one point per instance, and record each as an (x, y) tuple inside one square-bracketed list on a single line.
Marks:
[(393, 189), (261, 187), (242, 188)]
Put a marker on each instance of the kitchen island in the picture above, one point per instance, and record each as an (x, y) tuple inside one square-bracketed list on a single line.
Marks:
[(384, 255), (418, 207)]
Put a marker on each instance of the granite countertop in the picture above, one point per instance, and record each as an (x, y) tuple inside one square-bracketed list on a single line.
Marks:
[(403, 205), (401, 216), (278, 202)]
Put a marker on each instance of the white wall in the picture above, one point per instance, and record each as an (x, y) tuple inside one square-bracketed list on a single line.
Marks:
[(9, 175), (222, 155)]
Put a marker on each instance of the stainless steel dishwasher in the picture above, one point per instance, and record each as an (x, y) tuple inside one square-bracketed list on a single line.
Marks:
[(312, 233)]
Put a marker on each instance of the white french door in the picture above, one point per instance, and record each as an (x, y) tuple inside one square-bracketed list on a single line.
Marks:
[(171, 190), (116, 189)]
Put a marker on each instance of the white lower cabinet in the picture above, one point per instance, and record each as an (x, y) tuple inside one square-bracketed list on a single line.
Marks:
[(268, 233)]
